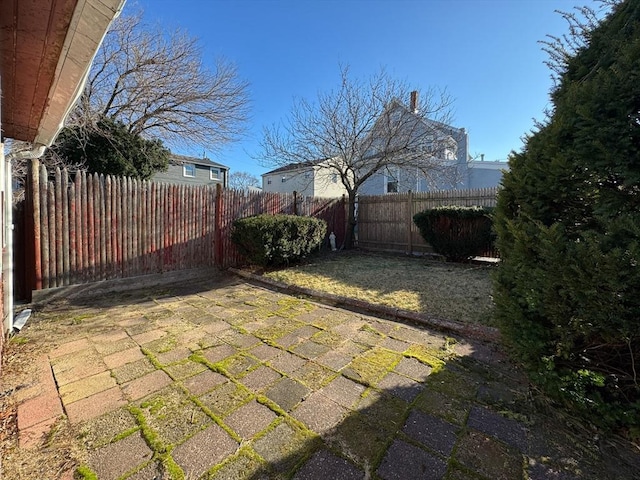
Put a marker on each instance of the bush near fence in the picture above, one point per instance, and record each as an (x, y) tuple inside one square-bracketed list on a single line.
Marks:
[(457, 233), (273, 240), (385, 222)]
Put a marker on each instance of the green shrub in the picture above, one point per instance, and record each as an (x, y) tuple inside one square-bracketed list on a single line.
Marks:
[(457, 233), (568, 228), (272, 240)]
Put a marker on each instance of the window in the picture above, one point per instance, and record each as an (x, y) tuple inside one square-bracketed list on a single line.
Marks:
[(284, 179), (214, 173), (307, 174), (334, 178), (268, 181), (188, 170), (391, 181)]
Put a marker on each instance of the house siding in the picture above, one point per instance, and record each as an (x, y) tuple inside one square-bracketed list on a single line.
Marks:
[(486, 174), (174, 175)]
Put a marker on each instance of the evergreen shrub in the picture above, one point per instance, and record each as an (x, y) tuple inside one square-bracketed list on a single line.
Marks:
[(568, 231), (457, 233), (273, 240)]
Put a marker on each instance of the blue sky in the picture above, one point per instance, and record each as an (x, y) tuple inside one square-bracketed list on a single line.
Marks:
[(486, 53)]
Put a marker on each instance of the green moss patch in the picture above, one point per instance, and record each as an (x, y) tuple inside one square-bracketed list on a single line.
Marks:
[(428, 356), (172, 416)]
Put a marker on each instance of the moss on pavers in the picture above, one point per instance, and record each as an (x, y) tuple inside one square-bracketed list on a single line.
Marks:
[(313, 375), (372, 366), (489, 457), (286, 448), (290, 307), (203, 451), (241, 466), (226, 398), (360, 441), (238, 365), (203, 382), (383, 411), (161, 345), (131, 452), (452, 408), (260, 379), (328, 338), (277, 330), (250, 419), (239, 339), (287, 393), (172, 415), (133, 370), (158, 314), (108, 428), (310, 349), (453, 382), (429, 356), (184, 369)]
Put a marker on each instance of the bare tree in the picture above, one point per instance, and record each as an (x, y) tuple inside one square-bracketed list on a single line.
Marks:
[(155, 83), (362, 129), (243, 180)]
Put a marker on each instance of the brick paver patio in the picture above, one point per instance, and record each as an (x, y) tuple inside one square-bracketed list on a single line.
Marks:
[(220, 379)]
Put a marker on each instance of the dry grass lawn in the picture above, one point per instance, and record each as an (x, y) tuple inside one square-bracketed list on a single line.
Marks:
[(450, 291)]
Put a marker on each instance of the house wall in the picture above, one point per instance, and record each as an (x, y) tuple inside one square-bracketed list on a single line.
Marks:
[(175, 175), (455, 178), (301, 181), (485, 174), (328, 185)]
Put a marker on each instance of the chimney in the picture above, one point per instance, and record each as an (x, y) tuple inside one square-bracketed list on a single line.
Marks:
[(414, 101)]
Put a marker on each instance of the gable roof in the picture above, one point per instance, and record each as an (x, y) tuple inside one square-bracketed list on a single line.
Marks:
[(294, 166), (176, 159)]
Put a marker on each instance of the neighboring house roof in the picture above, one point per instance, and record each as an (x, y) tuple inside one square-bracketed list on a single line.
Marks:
[(46, 50), (205, 162), (294, 166)]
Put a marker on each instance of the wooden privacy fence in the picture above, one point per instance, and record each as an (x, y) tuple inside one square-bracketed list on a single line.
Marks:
[(385, 222), (96, 228)]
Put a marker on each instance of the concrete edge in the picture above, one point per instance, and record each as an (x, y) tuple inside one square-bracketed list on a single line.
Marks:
[(477, 332)]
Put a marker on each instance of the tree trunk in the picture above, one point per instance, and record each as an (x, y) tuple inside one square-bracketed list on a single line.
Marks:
[(351, 222)]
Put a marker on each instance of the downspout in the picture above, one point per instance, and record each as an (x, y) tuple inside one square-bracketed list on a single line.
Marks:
[(7, 259)]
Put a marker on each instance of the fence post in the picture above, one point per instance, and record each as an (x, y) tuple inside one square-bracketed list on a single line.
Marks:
[(295, 202), (217, 259), (409, 221), (32, 216)]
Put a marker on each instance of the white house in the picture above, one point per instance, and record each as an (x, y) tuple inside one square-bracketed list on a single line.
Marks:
[(311, 179), (433, 156)]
